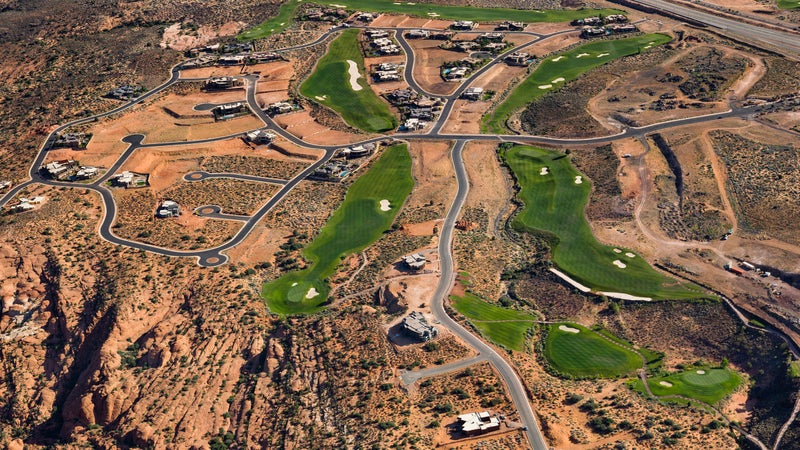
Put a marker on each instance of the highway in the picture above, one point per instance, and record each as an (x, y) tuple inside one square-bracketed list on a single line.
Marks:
[(783, 42)]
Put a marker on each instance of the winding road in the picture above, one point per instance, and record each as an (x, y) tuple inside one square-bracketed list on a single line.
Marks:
[(216, 256)]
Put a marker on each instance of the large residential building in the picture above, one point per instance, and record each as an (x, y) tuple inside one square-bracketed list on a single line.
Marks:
[(415, 261), (168, 209), (417, 326), (478, 423)]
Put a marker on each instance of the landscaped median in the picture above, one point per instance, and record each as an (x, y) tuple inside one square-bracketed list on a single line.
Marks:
[(369, 209), (556, 70), (555, 195), (339, 83)]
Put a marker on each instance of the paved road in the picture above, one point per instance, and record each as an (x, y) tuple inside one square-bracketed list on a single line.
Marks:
[(409, 377), (515, 387), (783, 42), (202, 175)]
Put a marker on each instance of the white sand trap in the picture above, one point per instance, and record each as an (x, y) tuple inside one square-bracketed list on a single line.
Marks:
[(568, 329), (620, 264), (630, 255), (545, 86), (582, 55), (578, 179), (624, 296), (647, 46), (651, 43), (385, 205), (283, 23), (603, 54), (354, 75), (616, 250), (544, 171), (701, 372), (312, 293), (559, 80), (433, 14), (409, 3), (338, 6), (559, 58), (665, 383), (323, 98), (294, 284)]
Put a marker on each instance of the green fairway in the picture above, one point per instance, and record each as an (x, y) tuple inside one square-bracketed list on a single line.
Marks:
[(277, 24), (709, 386), (556, 70), (329, 85), (357, 223), (554, 203), (503, 326), (586, 354), (789, 4)]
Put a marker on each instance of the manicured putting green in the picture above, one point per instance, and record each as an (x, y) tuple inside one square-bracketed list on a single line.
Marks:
[(283, 20), (561, 68), (503, 326), (357, 223), (703, 384), (554, 204), (330, 85), (574, 350)]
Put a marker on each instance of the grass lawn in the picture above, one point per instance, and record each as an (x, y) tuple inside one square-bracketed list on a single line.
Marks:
[(554, 204), (503, 326), (568, 66), (789, 4), (329, 85), (794, 369), (586, 354), (353, 226), (277, 24), (709, 387)]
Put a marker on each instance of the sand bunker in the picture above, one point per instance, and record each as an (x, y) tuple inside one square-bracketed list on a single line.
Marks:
[(385, 205), (433, 14), (545, 86), (312, 293), (568, 329), (701, 372), (603, 54), (559, 58), (665, 383), (559, 80), (294, 284), (616, 250), (338, 6), (323, 98), (630, 255), (582, 55), (543, 171), (620, 264), (578, 179), (354, 75)]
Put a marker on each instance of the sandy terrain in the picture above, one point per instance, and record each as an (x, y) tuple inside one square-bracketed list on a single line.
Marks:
[(302, 125), (490, 189), (546, 46), (183, 106), (399, 21), (176, 38), (433, 174), (222, 71), (429, 58), (274, 83), (465, 117)]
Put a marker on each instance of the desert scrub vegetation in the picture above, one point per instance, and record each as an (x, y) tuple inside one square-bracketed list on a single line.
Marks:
[(765, 182), (233, 196), (252, 165), (709, 73)]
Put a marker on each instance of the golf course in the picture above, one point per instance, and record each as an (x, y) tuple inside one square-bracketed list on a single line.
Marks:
[(556, 70), (554, 195), (576, 351), (339, 83), (503, 326), (283, 20), (700, 383), (789, 4), (358, 222)]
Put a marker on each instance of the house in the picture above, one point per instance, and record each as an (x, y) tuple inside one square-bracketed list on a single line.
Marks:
[(386, 75), (222, 82), (387, 66), (441, 35), (21, 207), (280, 108), (260, 57), (415, 261), (401, 96), (478, 423), (510, 26), (621, 29), (260, 137), (358, 151), (125, 92), (58, 170), (228, 110), (591, 21), (417, 326), (495, 37), (590, 32), (389, 49), (167, 209), (425, 113), (86, 172), (72, 140), (232, 60), (331, 171), (473, 93), (376, 34), (129, 180), (463, 25), (413, 124), (418, 34), (365, 17), (4, 185), (494, 47), (466, 46), (618, 18), (239, 47), (381, 42), (517, 59)]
